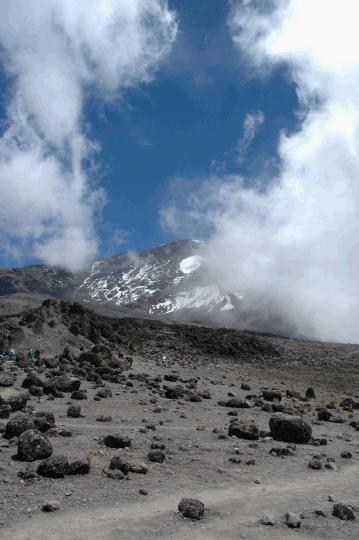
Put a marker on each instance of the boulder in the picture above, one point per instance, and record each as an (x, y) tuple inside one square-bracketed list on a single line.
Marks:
[(33, 445), (293, 520), (156, 456), (272, 395), (138, 467), (117, 463), (61, 383), (74, 411), (32, 379), (6, 379), (53, 467), (175, 392), (291, 429), (51, 506), (117, 441), (17, 425), (244, 429), (17, 399), (324, 415), (191, 508), (343, 512), (80, 466)]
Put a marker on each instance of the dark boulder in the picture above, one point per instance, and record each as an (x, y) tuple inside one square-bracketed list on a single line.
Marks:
[(74, 411), (17, 425), (291, 429), (53, 467), (117, 441), (33, 445), (272, 395), (191, 508), (81, 466), (117, 463), (343, 512), (156, 456), (175, 392)]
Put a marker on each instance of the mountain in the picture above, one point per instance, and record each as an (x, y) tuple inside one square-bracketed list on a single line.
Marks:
[(170, 281)]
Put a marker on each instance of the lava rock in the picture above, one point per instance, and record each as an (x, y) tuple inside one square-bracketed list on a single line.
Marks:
[(33, 445), (117, 463), (343, 512), (32, 379), (244, 430), (17, 425), (175, 392), (81, 466), (117, 441), (310, 393), (324, 415), (272, 395), (291, 429), (51, 506), (54, 467), (74, 411), (191, 508), (6, 379), (156, 456), (17, 399)]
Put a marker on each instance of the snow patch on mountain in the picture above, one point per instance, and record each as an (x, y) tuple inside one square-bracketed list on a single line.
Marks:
[(190, 264)]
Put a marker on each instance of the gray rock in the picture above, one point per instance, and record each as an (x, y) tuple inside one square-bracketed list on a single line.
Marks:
[(244, 429), (51, 506), (293, 520), (17, 399)]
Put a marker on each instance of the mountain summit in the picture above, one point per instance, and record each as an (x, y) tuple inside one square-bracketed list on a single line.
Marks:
[(170, 281)]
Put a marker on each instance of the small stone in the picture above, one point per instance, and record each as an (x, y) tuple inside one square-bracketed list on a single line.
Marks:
[(156, 456), (143, 491), (315, 464), (293, 520), (51, 506), (267, 519)]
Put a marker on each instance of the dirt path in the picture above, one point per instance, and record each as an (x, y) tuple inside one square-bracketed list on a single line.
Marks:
[(232, 513)]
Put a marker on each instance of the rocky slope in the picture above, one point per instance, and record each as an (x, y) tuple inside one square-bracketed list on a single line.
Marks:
[(119, 422)]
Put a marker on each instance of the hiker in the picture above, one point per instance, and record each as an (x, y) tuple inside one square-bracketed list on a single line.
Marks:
[(30, 354)]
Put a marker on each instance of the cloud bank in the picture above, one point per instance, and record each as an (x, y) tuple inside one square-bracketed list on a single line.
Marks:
[(55, 54), (292, 249)]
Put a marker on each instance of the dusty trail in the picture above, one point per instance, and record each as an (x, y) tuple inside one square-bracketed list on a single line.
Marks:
[(232, 510)]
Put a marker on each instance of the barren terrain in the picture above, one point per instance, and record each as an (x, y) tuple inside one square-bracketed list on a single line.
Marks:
[(240, 481)]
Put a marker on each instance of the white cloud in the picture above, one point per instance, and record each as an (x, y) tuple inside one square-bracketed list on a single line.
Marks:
[(251, 125), (292, 249), (55, 53)]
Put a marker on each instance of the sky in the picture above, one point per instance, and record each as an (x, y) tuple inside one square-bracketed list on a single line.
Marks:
[(130, 123), (188, 121)]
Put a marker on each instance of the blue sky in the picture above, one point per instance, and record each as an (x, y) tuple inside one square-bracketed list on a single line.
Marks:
[(186, 123)]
